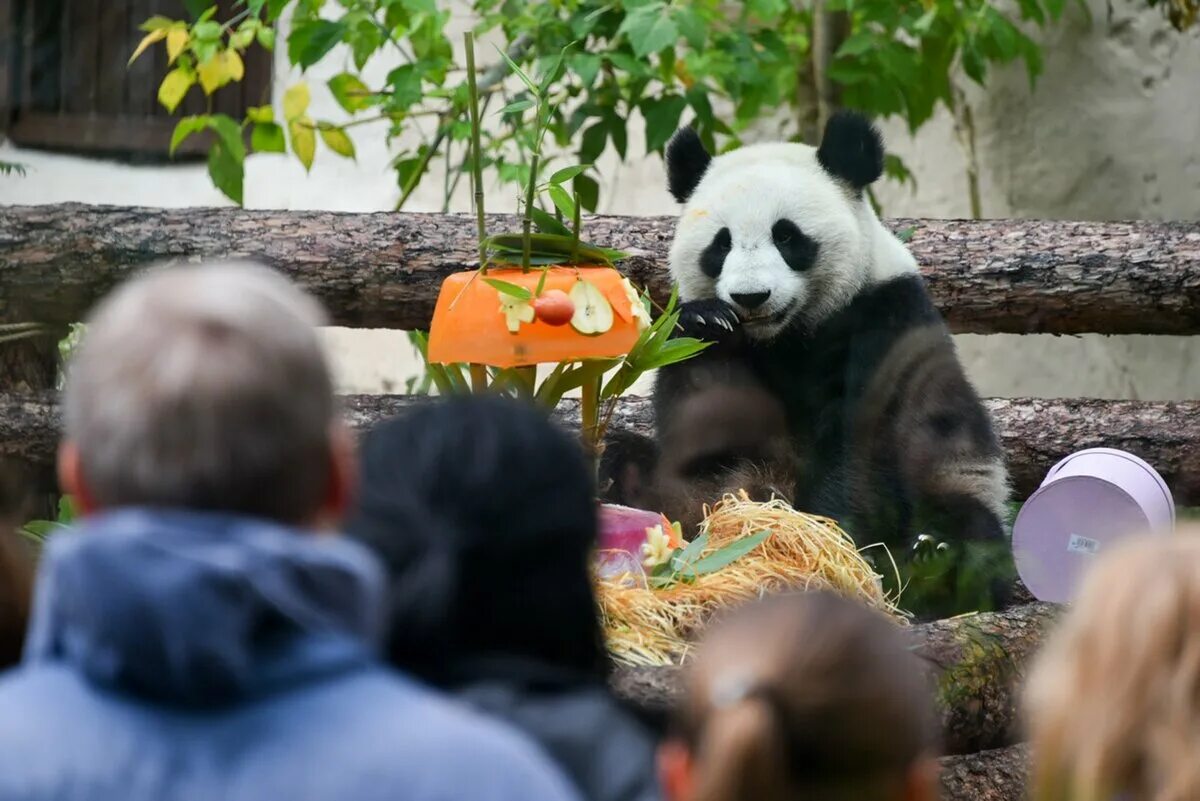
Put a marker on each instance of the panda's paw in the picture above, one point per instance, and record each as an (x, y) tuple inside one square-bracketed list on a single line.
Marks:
[(710, 320)]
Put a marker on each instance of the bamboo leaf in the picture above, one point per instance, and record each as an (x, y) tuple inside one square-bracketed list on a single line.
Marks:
[(520, 73), (730, 553), (512, 290)]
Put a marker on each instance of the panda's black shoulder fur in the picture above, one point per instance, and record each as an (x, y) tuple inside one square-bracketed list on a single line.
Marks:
[(878, 405)]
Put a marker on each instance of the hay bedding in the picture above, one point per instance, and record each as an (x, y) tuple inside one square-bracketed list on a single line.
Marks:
[(646, 626)]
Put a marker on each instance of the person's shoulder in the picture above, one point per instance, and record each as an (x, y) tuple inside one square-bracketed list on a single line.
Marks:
[(437, 747)]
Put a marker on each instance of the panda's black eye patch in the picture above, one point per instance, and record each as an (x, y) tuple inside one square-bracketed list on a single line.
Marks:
[(798, 250), (713, 257)]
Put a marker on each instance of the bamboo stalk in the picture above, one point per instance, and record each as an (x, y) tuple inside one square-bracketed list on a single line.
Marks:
[(476, 151), (527, 223), (589, 414)]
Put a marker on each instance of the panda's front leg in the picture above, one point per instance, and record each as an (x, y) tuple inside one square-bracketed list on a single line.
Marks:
[(710, 320)]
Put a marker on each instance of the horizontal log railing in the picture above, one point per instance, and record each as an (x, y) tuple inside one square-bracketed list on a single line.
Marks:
[(977, 662), (384, 270), (1035, 433)]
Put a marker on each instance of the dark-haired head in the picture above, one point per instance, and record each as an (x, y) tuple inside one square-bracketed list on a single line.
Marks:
[(484, 514)]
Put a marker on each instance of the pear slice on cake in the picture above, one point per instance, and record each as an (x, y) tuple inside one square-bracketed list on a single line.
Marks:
[(593, 313)]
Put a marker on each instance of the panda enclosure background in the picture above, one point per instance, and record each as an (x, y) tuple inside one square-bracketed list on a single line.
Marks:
[(1111, 132)]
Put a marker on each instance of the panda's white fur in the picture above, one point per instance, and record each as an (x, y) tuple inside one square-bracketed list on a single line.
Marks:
[(748, 190)]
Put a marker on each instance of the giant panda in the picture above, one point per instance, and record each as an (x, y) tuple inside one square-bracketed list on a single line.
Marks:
[(811, 303)]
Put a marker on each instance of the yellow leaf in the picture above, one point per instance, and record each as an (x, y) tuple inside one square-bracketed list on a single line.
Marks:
[(177, 40), (235, 68), (304, 140), (295, 101), (337, 140), (221, 69), (173, 88), (147, 40), (212, 74)]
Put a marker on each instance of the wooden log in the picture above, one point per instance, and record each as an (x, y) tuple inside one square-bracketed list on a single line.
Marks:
[(384, 270), (997, 775), (1035, 433), (977, 663)]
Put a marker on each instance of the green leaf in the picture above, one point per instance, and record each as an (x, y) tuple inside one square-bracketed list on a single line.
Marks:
[(649, 29), (662, 119), (516, 107), (562, 201), (586, 66), (266, 38), (405, 82), (244, 35), (304, 141), (567, 173), (588, 192), (207, 31), (337, 140), (310, 41), (226, 171), (156, 23), (260, 114), (906, 235), (547, 223), (185, 128), (520, 73), (553, 71), (174, 87), (691, 552), (66, 509), (730, 553), (512, 290), (594, 139), (692, 25), (230, 135), (350, 92), (267, 137), (275, 8)]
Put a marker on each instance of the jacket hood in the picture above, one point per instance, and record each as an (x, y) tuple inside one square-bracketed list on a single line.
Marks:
[(197, 609)]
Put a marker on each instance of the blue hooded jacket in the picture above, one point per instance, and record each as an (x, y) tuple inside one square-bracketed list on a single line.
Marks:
[(179, 656)]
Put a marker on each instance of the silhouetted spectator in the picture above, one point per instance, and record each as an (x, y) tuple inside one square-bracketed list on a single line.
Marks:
[(1113, 701), (15, 571), (195, 640), (803, 696), (485, 515)]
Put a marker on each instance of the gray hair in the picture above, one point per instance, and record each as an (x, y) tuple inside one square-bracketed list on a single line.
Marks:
[(205, 388)]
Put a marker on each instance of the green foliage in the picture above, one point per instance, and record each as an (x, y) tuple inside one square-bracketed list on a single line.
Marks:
[(583, 67), (686, 564), (38, 531), (9, 168)]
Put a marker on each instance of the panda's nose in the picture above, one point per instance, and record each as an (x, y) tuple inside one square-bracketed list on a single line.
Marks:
[(750, 300)]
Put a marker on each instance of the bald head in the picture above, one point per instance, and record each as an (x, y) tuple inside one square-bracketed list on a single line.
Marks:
[(203, 388)]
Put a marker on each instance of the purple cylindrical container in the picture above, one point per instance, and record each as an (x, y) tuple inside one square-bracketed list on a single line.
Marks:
[(1087, 502)]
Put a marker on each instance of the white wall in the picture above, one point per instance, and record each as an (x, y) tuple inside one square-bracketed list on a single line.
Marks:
[(1112, 131)]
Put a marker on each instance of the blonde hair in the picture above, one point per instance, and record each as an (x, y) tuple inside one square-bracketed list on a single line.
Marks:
[(1114, 701), (808, 696)]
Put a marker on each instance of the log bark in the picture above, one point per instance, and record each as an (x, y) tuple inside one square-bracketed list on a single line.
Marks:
[(384, 270), (1035, 433), (998, 775), (977, 663)]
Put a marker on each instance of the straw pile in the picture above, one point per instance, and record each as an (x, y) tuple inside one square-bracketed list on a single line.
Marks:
[(647, 626)]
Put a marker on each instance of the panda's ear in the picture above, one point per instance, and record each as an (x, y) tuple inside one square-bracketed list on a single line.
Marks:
[(852, 149), (687, 161)]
